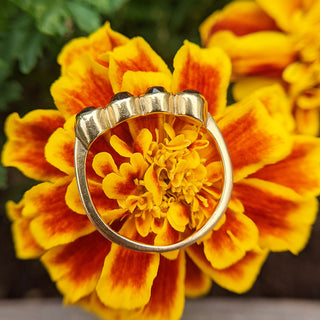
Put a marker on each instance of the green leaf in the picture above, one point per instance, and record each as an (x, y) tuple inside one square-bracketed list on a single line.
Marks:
[(86, 18), (22, 42), (10, 91), (4, 70), (106, 6), (51, 15), (32, 51)]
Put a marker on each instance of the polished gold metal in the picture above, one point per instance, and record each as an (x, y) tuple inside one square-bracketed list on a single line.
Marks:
[(91, 123)]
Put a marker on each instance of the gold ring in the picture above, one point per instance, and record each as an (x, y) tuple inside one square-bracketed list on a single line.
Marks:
[(92, 122)]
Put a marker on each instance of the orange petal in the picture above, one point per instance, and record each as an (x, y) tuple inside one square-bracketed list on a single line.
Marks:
[(119, 186), (307, 121), (143, 224), (197, 283), (152, 185), (25, 245), (177, 216), (136, 55), (299, 170), (214, 171), (205, 70), (151, 122), (282, 11), (231, 241), (245, 86), (56, 223), (252, 137), (101, 202), (284, 218), (137, 82), (167, 235), (99, 42), (253, 54), (167, 294), (14, 210), (239, 17), (86, 84), (127, 275), (93, 304), (239, 277), (277, 103), (120, 146), (143, 141), (76, 266), (59, 150), (104, 164), (27, 138)]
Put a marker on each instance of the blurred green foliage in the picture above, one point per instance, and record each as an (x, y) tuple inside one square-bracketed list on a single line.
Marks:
[(32, 32)]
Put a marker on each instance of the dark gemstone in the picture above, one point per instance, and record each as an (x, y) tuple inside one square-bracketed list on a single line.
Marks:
[(85, 110), (191, 91), (156, 90), (121, 95)]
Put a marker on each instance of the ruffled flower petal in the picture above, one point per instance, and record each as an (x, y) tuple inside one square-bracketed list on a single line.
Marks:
[(59, 151), (239, 277), (252, 138), (245, 86), (177, 216), (27, 138), (307, 121), (281, 11), (104, 164), (99, 42), (231, 241), (127, 275), (55, 223), (275, 100), (205, 70), (93, 304), (137, 82), (167, 294), (240, 17), (101, 202), (283, 217), (253, 54), (299, 170), (197, 283), (24, 243), (166, 235), (119, 186), (136, 55), (76, 267), (86, 84)]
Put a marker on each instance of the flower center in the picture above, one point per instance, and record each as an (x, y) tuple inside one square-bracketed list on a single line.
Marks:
[(165, 178)]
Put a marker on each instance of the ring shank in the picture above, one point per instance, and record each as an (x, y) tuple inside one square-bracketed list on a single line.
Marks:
[(80, 156)]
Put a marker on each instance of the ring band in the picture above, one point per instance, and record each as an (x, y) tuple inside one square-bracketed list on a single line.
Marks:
[(92, 122)]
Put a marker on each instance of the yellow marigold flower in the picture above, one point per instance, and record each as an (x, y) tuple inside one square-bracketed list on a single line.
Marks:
[(156, 179), (272, 41)]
